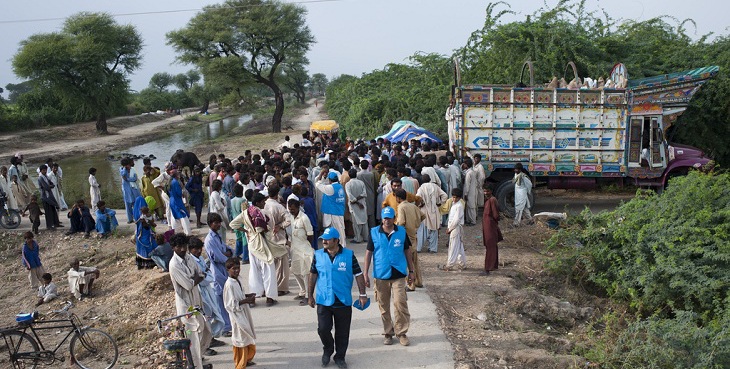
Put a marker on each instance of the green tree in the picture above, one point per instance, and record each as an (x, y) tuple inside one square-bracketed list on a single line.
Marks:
[(185, 81), (252, 38), (160, 81), (319, 83), (86, 64), (418, 91), (294, 76), (16, 90)]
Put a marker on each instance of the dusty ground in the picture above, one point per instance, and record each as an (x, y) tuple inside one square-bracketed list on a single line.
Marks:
[(518, 317)]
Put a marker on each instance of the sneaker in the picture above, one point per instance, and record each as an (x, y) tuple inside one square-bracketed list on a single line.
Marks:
[(210, 352), (404, 340), (325, 359), (341, 363), (388, 340), (216, 343)]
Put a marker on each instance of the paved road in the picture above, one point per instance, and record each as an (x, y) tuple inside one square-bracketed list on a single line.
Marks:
[(287, 336)]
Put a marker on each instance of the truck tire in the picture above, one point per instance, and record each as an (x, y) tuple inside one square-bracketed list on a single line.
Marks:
[(505, 195)]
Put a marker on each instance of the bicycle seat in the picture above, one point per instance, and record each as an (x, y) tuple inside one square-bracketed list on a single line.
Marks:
[(176, 345), (25, 318)]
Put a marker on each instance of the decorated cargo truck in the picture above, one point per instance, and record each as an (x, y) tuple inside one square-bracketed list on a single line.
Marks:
[(577, 137)]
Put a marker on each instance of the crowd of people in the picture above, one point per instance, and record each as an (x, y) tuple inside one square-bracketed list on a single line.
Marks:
[(394, 197)]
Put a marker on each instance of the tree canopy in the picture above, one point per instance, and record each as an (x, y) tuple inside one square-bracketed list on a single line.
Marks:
[(85, 65), (245, 41)]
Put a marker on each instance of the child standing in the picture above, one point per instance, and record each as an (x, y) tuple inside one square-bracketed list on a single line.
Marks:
[(34, 212), (47, 291), (236, 302), (94, 189), (32, 260), (145, 235), (457, 256)]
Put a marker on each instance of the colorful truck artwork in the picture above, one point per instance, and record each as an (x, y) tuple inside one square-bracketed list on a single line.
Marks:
[(576, 138)]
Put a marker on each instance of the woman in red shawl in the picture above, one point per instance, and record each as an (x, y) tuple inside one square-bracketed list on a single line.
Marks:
[(491, 234)]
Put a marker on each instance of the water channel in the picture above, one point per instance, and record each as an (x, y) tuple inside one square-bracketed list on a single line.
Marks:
[(76, 168)]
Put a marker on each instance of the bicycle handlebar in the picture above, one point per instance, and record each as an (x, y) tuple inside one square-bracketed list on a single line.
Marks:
[(196, 309), (68, 305)]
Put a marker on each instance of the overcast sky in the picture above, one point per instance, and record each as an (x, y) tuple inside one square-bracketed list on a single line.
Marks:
[(352, 36)]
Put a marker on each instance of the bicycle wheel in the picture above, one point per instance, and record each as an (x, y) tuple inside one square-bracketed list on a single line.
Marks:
[(10, 218), (16, 344), (93, 349)]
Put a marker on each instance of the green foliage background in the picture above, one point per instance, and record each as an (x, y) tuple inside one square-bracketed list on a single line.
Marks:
[(668, 258), (419, 90)]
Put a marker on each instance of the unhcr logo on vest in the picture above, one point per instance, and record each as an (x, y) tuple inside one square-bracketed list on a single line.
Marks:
[(342, 267), (341, 196), (396, 243)]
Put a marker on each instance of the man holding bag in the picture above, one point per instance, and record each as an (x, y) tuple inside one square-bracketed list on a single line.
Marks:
[(334, 268)]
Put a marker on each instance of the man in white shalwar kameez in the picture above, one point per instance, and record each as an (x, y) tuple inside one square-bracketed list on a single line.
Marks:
[(301, 247), (433, 196), (80, 279), (523, 188), (186, 276), (450, 117), (357, 196), (457, 255), (5, 186), (471, 190), (431, 171), (481, 176), (243, 335), (262, 251), (94, 190), (280, 217)]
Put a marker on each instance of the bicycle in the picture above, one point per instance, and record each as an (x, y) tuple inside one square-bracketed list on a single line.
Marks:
[(9, 218), (90, 348), (180, 348)]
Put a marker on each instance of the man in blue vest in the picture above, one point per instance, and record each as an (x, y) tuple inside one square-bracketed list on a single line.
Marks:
[(333, 203), (388, 249), (332, 271)]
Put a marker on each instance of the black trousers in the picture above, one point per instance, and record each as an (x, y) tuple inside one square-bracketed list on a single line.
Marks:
[(327, 316), (51, 215)]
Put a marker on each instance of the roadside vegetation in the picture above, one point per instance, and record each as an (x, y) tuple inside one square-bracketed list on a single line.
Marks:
[(419, 89), (665, 260)]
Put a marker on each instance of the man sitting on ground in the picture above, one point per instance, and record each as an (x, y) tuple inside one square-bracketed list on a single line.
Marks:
[(80, 279)]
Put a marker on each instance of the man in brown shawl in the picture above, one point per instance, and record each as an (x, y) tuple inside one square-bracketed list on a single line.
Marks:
[(491, 234)]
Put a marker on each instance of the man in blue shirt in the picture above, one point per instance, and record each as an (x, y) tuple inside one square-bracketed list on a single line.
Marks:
[(388, 250), (333, 267), (218, 253)]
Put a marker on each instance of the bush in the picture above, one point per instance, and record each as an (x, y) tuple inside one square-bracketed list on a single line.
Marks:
[(668, 257), (662, 343), (659, 253)]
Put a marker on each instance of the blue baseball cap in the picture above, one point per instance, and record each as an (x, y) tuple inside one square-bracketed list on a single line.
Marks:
[(329, 234), (387, 212), (332, 176), (358, 306)]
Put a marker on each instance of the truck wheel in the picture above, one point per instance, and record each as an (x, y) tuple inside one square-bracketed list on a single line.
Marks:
[(505, 195)]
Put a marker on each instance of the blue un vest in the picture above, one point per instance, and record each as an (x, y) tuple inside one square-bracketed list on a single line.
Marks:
[(334, 278), (388, 254), (335, 204)]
